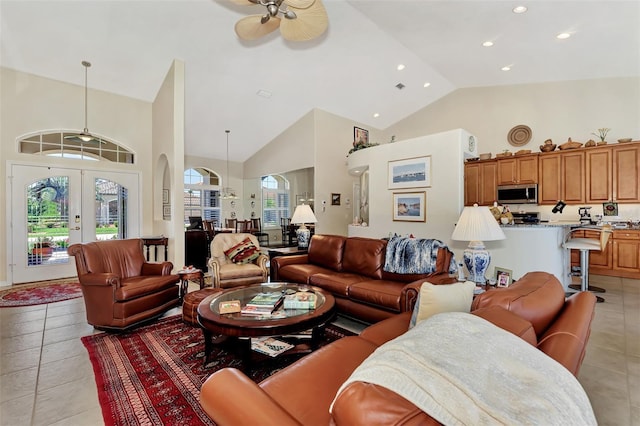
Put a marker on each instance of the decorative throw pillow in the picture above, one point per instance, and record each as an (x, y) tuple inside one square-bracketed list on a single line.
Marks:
[(434, 299), (243, 252)]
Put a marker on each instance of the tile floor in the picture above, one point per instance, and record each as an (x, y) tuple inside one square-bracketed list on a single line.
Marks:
[(46, 377)]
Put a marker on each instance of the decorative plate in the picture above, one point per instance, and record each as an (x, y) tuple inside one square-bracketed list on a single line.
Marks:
[(519, 135)]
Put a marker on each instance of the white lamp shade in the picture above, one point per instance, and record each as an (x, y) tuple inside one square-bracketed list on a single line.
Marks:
[(303, 214), (477, 224)]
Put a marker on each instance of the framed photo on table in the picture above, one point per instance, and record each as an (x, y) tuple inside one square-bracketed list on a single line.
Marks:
[(409, 206), (410, 173), (503, 277)]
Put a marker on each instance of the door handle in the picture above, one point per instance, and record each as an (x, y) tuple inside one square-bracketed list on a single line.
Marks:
[(77, 228)]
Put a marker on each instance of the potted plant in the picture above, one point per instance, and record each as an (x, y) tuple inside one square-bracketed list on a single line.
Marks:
[(44, 247), (602, 134)]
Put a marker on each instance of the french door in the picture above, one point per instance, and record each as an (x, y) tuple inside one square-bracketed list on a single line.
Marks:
[(52, 208)]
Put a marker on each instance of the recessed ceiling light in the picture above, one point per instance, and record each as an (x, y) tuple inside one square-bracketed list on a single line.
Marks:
[(263, 93), (506, 68), (427, 84), (376, 115), (520, 9), (562, 36), (401, 67), (487, 44)]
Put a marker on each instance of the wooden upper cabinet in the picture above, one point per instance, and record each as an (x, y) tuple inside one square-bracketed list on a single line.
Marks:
[(518, 170), (573, 177), (549, 188), (480, 183), (598, 175), (561, 177), (626, 174)]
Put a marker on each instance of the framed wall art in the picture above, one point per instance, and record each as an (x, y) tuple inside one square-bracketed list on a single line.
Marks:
[(410, 173), (409, 206), (335, 199), (165, 196), (360, 136), (166, 211)]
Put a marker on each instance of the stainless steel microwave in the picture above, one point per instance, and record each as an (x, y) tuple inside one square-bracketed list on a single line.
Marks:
[(518, 194)]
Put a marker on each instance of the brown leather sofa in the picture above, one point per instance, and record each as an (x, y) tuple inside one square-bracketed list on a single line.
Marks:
[(352, 270), (533, 308), (121, 289)]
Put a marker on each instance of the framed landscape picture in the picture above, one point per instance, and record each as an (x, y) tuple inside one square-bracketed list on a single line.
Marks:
[(409, 206), (410, 173)]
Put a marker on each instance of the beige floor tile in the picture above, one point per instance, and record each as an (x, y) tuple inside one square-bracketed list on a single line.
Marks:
[(22, 314), (20, 360), (607, 392), (18, 384), (66, 370), (67, 332), (92, 417), (61, 402), (17, 411), (15, 328), (20, 343), (612, 341), (67, 319), (61, 350), (633, 378), (606, 359), (65, 308)]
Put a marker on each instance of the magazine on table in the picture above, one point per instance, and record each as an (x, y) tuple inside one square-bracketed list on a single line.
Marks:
[(269, 346), (300, 300), (266, 301)]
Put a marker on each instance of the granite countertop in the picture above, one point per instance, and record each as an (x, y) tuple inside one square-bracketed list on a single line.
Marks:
[(542, 225)]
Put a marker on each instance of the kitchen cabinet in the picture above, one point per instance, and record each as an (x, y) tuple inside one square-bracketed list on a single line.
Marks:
[(620, 258), (613, 174), (517, 170), (626, 253), (480, 182), (561, 177)]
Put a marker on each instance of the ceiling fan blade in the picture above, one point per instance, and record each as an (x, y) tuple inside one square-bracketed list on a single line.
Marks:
[(250, 28), (299, 4), (309, 24), (243, 2)]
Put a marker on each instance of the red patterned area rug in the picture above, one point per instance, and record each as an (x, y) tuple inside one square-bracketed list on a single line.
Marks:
[(153, 375), (40, 293)]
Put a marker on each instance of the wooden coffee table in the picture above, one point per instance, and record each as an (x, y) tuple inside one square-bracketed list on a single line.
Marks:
[(237, 329)]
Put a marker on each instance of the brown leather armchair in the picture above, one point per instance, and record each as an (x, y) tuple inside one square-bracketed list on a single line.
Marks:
[(121, 289), (225, 273)]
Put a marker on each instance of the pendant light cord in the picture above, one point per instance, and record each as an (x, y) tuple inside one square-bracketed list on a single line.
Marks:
[(86, 66)]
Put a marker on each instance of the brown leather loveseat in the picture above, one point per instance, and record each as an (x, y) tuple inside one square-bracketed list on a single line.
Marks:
[(120, 288), (351, 269), (533, 308)]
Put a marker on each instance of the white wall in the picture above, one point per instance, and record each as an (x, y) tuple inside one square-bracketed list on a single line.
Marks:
[(168, 143), (31, 104), (444, 198)]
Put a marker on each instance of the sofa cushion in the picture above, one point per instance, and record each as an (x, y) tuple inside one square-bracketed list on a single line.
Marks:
[(537, 297), (300, 273), (435, 299), (135, 287), (336, 284), (385, 294), (364, 256), (327, 251), (243, 252)]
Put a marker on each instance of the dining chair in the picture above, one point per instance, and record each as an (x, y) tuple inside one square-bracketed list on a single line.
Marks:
[(243, 226), (230, 223), (256, 229)]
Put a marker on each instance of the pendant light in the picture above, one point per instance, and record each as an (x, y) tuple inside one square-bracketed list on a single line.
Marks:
[(227, 191), (85, 135)]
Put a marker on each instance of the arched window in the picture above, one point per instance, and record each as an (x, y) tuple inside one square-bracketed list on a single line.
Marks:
[(202, 195), (275, 200), (62, 144)]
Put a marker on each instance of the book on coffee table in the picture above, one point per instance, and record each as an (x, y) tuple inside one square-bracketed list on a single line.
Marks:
[(266, 301), (270, 346)]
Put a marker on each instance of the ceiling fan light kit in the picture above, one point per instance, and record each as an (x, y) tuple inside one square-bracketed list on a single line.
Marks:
[(84, 136), (304, 19)]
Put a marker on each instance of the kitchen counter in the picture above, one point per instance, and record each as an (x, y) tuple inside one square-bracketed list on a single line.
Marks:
[(533, 247)]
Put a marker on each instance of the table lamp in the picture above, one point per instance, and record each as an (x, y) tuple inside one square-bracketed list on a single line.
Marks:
[(303, 214), (477, 224)]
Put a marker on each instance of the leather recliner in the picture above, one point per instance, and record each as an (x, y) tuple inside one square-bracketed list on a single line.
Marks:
[(121, 289)]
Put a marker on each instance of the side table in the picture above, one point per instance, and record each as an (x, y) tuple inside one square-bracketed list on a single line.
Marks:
[(189, 275), (283, 251)]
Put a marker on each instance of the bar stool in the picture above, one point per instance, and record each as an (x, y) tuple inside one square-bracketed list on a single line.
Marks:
[(585, 245)]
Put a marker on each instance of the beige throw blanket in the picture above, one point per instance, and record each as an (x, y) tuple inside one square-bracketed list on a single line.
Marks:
[(463, 370)]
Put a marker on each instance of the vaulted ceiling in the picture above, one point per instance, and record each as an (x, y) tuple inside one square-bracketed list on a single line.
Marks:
[(258, 89)]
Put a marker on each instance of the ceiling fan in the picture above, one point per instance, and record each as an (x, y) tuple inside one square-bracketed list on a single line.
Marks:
[(84, 136), (303, 19)]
